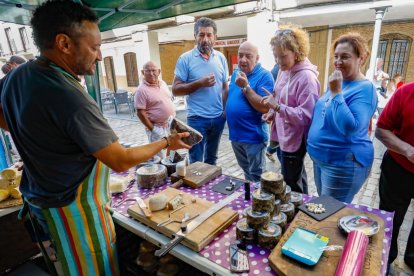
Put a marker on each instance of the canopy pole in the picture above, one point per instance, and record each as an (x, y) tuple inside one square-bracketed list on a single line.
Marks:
[(379, 16)]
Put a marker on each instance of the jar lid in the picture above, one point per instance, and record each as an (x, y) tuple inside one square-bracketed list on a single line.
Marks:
[(271, 176), (288, 207), (262, 195), (281, 217), (295, 197), (253, 214), (271, 230), (243, 226)]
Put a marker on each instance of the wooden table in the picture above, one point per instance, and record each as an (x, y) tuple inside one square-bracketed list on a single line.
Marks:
[(213, 258)]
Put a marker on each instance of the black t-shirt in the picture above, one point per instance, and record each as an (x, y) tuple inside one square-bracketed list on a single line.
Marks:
[(56, 127)]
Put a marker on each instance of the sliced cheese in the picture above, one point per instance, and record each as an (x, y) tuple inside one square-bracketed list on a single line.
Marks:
[(157, 202), (117, 184), (175, 202)]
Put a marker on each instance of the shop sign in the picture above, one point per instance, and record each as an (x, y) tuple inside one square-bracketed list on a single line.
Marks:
[(229, 42)]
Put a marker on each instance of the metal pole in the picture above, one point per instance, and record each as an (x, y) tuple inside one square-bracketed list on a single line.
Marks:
[(379, 15)]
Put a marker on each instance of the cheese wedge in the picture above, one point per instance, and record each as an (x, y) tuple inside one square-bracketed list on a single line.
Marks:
[(15, 193), (4, 194)]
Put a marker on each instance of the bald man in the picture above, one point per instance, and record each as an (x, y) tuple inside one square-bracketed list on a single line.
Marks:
[(244, 109), (153, 102)]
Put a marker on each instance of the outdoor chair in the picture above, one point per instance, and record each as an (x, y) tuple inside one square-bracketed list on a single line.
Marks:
[(107, 99), (121, 97)]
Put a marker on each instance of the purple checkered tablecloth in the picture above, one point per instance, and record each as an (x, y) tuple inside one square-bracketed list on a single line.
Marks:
[(217, 251)]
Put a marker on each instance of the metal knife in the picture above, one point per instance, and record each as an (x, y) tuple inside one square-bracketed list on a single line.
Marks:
[(143, 206), (180, 235)]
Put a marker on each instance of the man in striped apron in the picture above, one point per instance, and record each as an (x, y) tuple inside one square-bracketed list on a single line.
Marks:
[(65, 142)]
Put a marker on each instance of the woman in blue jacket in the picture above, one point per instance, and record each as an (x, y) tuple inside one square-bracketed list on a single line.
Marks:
[(338, 140)]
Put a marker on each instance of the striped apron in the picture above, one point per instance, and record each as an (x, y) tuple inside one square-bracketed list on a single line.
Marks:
[(83, 232)]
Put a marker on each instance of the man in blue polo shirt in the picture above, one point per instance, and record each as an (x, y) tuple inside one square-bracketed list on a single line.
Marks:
[(201, 75), (244, 109)]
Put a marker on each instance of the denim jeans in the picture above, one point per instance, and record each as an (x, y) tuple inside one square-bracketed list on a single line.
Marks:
[(293, 169), (250, 158), (211, 129), (396, 190), (340, 182)]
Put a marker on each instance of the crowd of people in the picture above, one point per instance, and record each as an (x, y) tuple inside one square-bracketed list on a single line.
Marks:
[(68, 147)]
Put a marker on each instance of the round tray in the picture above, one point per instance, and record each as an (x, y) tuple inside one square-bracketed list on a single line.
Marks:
[(364, 224)]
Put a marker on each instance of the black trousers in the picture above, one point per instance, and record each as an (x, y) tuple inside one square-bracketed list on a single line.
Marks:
[(396, 189), (293, 168)]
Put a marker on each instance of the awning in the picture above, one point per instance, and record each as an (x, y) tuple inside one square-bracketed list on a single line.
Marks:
[(118, 13)]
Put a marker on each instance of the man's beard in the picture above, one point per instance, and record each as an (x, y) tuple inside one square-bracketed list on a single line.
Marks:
[(205, 48)]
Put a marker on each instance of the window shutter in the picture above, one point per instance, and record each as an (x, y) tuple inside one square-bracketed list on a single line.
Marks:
[(131, 69), (110, 73)]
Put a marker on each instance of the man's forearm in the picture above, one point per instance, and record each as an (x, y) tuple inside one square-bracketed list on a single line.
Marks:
[(256, 101), (392, 142), (183, 89), (142, 115)]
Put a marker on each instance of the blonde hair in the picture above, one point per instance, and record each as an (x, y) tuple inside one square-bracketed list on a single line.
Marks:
[(293, 38)]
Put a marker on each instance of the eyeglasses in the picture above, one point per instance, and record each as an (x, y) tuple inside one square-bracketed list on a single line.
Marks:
[(283, 32), (151, 71)]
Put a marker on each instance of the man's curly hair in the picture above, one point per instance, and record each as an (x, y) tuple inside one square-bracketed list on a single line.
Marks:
[(59, 17)]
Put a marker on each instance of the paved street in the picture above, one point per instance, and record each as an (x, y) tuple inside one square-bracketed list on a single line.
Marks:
[(132, 131)]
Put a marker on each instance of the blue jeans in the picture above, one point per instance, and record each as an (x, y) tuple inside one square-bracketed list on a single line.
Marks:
[(211, 129), (293, 168), (340, 182), (250, 158)]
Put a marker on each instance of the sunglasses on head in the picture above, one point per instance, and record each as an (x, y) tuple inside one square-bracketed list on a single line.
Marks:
[(283, 32)]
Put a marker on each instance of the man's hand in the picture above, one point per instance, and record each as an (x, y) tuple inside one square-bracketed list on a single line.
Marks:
[(410, 154), (269, 116), (335, 82), (241, 80), (269, 100), (207, 81), (175, 141)]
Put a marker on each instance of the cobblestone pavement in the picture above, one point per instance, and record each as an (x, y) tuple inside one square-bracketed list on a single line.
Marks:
[(132, 131)]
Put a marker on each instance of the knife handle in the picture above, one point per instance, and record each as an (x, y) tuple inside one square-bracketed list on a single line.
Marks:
[(177, 184), (168, 246), (146, 211)]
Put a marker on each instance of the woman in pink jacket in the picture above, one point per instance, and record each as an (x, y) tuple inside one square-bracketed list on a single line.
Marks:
[(294, 96)]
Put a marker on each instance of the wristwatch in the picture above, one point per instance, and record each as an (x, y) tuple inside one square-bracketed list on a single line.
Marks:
[(244, 89)]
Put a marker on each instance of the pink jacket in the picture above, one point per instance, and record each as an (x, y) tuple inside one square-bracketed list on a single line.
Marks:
[(297, 91)]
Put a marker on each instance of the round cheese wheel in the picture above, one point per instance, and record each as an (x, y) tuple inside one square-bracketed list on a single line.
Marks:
[(151, 176), (157, 202)]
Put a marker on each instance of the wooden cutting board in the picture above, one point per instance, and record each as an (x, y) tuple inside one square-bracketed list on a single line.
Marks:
[(327, 264), (195, 181), (199, 237)]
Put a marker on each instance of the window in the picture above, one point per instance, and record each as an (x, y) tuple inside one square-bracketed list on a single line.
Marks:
[(394, 50), (1, 50), (10, 41), (382, 49), (131, 69), (24, 38), (398, 56)]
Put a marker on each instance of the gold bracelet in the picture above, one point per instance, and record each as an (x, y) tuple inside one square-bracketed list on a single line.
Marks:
[(166, 140)]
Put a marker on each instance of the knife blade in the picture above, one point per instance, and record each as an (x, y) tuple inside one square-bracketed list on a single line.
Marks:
[(143, 206), (180, 235)]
